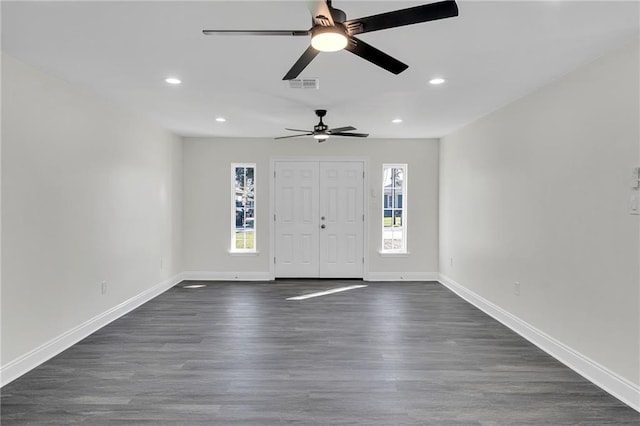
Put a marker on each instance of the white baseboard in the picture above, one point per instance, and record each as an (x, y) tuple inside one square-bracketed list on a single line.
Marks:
[(401, 276), (619, 387), (266, 276), (226, 276), (53, 347)]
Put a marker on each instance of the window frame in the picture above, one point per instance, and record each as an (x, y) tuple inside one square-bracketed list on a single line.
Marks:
[(402, 250), (234, 208)]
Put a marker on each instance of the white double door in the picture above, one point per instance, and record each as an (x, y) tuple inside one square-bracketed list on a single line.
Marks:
[(319, 220)]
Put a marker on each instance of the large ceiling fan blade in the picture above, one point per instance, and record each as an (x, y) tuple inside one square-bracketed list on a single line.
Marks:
[(375, 56), (355, 135), (399, 18), (320, 13), (341, 129), (301, 63), (294, 136), (258, 32), (299, 130)]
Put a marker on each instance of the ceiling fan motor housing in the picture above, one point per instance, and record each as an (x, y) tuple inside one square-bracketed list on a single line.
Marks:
[(320, 127)]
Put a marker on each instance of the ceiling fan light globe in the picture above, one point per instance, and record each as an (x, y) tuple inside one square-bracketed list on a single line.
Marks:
[(328, 39), (321, 136)]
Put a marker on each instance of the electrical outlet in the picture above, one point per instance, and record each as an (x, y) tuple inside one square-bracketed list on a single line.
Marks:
[(103, 287), (516, 288), (451, 262), (161, 263)]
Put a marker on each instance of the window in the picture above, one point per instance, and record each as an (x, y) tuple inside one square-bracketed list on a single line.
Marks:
[(394, 208), (243, 206)]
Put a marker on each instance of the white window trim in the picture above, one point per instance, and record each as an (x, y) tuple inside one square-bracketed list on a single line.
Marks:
[(248, 253), (393, 254), (403, 251), (233, 251)]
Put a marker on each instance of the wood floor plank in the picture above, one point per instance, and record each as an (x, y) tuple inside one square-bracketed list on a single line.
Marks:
[(234, 353)]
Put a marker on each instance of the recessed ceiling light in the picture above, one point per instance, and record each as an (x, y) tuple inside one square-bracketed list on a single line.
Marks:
[(396, 120), (172, 80), (221, 119), (437, 80)]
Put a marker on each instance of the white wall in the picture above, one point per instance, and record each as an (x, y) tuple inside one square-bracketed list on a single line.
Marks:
[(207, 199), (538, 193), (89, 194)]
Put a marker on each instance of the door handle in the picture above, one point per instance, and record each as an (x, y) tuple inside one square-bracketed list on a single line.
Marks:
[(323, 226)]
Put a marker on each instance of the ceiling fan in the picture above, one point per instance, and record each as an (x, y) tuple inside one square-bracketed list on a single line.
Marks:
[(331, 31), (322, 132)]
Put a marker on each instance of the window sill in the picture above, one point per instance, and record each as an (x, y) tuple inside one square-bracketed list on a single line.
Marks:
[(244, 253), (393, 254)]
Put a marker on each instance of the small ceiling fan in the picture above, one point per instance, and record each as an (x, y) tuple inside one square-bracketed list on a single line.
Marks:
[(322, 132), (331, 31)]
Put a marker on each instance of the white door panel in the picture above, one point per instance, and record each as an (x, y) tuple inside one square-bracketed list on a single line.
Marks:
[(319, 226), (341, 205), (296, 210)]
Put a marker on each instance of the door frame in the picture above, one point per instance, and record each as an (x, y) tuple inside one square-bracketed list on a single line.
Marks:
[(272, 202)]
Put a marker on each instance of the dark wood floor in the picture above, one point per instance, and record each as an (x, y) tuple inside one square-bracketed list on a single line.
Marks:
[(240, 354)]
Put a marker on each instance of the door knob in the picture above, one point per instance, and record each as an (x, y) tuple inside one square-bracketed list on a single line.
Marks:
[(323, 226)]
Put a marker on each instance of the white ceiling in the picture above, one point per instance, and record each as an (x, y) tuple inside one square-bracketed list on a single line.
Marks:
[(492, 54)]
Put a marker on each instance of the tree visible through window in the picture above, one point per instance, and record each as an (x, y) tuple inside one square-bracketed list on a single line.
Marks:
[(243, 234), (394, 200)]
